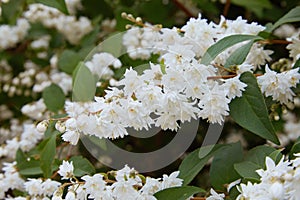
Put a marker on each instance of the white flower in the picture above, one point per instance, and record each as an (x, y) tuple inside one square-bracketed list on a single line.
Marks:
[(126, 174), (171, 180), (234, 87), (49, 187), (215, 196), (273, 171), (214, 104), (99, 65), (131, 82), (151, 186), (66, 169), (294, 47), (278, 85), (34, 186), (94, 185)]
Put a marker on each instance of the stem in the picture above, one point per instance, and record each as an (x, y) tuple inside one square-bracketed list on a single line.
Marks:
[(274, 42), (183, 8), (226, 76), (226, 8)]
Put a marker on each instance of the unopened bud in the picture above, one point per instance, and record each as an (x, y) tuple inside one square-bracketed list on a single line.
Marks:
[(124, 14), (42, 126), (130, 16), (61, 127), (128, 26), (139, 20)]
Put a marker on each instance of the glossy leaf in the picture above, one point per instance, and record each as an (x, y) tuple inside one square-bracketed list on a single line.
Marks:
[(192, 164), (292, 16), (82, 166), (47, 156), (239, 55), (84, 84), (254, 160), (54, 97), (295, 149), (27, 166), (255, 6), (68, 61), (178, 193), (247, 170), (58, 4), (222, 169), (250, 110), (226, 42)]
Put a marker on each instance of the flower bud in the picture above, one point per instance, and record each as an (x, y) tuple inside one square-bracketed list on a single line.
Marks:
[(42, 126)]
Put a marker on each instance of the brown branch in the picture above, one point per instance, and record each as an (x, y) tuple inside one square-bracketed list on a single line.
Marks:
[(274, 42), (226, 76), (226, 8), (183, 8)]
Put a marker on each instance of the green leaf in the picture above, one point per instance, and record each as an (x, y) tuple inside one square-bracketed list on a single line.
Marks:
[(250, 110), (193, 164), (82, 166), (113, 44), (178, 193), (297, 64), (247, 170), (276, 155), (239, 55), (226, 42), (68, 61), (292, 16), (47, 155), (54, 98), (11, 11), (258, 154), (222, 169), (295, 149), (27, 166), (84, 84), (254, 160), (255, 6), (58, 4)]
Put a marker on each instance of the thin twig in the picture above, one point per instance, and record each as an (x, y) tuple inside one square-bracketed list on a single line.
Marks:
[(274, 42), (183, 8), (226, 8), (226, 76)]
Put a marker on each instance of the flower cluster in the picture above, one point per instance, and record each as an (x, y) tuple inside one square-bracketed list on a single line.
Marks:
[(278, 85), (180, 81), (26, 140), (197, 36), (126, 184), (277, 181), (69, 26), (11, 35)]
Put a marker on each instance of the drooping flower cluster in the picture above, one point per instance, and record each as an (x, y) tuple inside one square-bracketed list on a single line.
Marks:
[(28, 139), (278, 85), (153, 92), (11, 35), (197, 36), (99, 65), (127, 184), (277, 181), (69, 26)]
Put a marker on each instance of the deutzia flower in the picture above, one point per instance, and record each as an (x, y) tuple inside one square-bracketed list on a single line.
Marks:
[(171, 180), (66, 169), (94, 185), (34, 187), (215, 196), (234, 87), (214, 104), (278, 85)]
